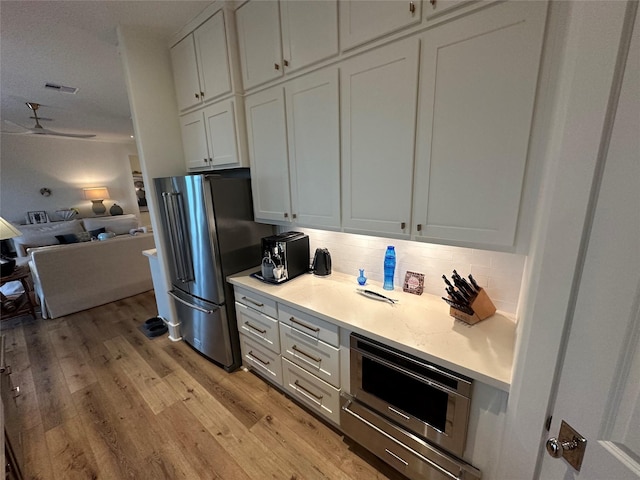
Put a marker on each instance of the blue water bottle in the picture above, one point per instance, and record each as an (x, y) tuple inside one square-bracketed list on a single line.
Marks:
[(389, 267)]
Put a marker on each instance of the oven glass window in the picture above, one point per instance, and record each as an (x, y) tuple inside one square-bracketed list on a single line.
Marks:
[(405, 393)]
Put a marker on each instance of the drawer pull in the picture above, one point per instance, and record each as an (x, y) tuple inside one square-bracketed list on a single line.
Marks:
[(318, 397), (406, 464), (308, 355), (255, 328), (251, 354), (257, 304), (308, 327)]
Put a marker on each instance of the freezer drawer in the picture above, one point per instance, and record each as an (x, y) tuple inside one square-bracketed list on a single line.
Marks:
[(205, 326)]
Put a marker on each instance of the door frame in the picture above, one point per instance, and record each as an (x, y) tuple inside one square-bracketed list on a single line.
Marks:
[(584, 64)]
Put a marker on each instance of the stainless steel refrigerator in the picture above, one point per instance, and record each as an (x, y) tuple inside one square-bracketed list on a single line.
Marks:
[(209, 232)]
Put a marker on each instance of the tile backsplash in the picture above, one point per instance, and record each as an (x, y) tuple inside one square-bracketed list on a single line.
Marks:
[(500, 274)]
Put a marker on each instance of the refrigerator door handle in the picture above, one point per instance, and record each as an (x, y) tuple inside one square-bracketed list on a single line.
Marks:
[(180, 247), (191, 305)]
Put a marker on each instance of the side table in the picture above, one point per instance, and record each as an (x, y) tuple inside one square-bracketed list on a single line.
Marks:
[(24, 303)]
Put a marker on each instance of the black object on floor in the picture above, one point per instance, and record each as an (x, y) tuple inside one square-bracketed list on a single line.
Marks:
[(154, 327)]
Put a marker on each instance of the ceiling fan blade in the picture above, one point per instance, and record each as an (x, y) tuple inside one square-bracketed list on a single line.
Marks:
[(46, 131)]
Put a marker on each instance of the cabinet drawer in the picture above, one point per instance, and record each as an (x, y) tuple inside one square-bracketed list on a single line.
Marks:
[(261, 360), (313, 392), (257, 302), (317, 328), (258, 326), (315, 356)]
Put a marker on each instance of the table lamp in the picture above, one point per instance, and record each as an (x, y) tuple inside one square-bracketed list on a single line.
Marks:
[(97, 195), (7, 231)]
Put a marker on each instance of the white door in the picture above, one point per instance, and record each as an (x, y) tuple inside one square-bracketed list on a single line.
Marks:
[(478, 78), (213, 61), (599, 388), (309, 32), (185, 73), (220, 125), (313, 127), (194, 141), (267, 137), (258, 25), (378, 95)]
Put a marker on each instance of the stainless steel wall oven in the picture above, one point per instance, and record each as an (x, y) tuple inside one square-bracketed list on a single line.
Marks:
[(419, 409)]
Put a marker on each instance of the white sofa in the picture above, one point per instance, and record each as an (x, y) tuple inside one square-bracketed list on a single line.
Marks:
[(72, 277)]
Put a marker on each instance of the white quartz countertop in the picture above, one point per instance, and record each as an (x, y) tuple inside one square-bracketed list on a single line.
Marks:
[(417, 324)]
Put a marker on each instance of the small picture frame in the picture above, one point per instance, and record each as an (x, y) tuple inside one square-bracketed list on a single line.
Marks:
[(38, 217), (414, 283)]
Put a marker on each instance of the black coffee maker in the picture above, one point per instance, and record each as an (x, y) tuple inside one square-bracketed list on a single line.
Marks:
[(321, 262)]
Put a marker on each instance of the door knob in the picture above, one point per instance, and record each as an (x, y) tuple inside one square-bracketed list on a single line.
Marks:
[(569, 445)]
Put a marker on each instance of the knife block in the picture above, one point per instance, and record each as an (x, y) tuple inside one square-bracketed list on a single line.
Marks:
[(482, 307)]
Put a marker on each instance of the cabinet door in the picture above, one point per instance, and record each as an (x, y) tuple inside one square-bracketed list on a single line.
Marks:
[(213, 61), (309, 32), (314, 149), (258, 25), (435, 8), (477, 89), (364, 20), (378, 105), (220, 125), (267, 135), (194, 141), (185, 73)]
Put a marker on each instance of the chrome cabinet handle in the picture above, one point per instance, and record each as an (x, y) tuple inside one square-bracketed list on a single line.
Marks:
[(308, 355), (313, 329), (276, 66), (17, 390), (419, 227), (253, 355), (197, 96), (403, 225), (412, 7), (318, 397), (286, 63), (255, 328), (257, 304), (202, 95), (286, 215)]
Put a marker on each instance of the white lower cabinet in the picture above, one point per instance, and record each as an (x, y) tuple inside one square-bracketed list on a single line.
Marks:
[(261, 360), (315, 356), (258, 326), (313, 392)]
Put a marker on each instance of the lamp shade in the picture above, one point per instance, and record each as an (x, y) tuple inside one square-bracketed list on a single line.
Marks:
[(96, 193), (7, 230)]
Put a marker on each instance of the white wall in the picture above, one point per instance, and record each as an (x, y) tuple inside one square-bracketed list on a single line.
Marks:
[(64, 165), (499, 273)]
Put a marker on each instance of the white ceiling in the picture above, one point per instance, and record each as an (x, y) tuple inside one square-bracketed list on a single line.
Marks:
[(74, 43)]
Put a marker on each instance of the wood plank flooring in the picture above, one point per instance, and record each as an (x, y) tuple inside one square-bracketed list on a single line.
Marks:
[(99, 400)]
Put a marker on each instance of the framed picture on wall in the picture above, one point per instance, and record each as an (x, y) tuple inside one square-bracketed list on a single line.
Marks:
[(141, 195), (37, 217)]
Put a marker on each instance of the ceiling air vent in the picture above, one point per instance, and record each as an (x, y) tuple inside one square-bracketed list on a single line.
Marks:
[(61, 88)]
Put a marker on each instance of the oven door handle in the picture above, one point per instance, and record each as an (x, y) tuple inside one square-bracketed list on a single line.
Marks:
[(404, 371), (346, 409)]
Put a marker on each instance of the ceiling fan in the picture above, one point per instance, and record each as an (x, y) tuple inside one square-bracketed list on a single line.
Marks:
[(40, 130)]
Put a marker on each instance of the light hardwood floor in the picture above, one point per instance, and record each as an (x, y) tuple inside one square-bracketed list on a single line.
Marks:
[(99, 400)]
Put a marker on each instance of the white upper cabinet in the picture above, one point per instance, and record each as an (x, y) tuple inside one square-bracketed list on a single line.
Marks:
[(258, 26), (365, 20), (378, 113), (214, 137), (294, 147), (201, 65), (309, 32), (279, 37), (314, 148), (477, 91), (267, 138)]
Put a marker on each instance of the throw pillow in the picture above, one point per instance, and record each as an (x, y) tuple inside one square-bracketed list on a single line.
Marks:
[(67, 238), (96, 232), (84, 236)]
